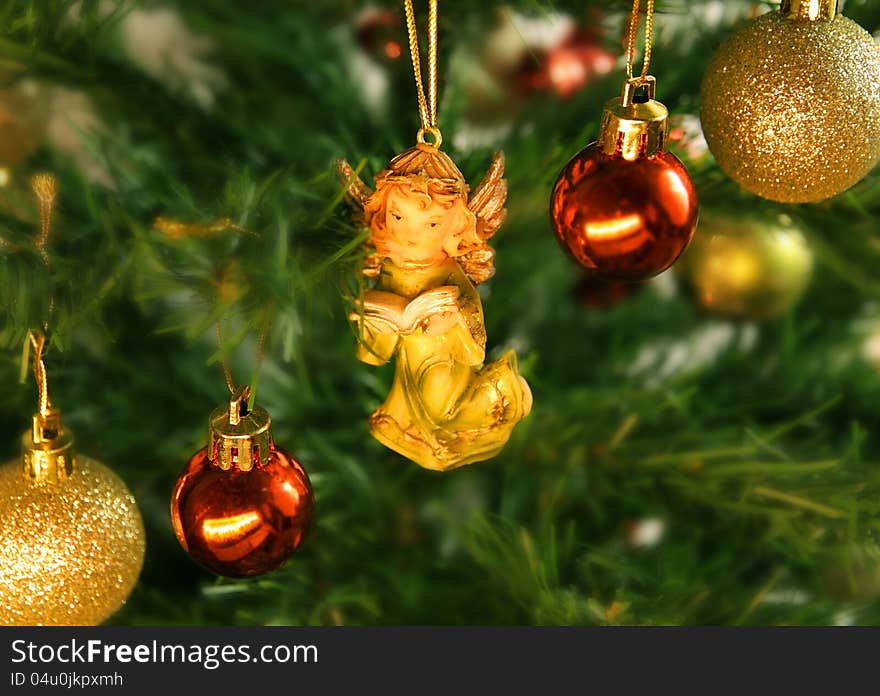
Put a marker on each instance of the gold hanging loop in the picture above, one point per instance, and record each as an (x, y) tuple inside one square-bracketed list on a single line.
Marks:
[(434, 132), (238, 434), (631, 40), (224, 363), (636, 125), (427, 104), (432, 62), (47, 448), (45, 187), (38, 341), (227, 371)]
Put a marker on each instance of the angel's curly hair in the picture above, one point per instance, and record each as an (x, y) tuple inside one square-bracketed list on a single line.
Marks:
[(426, 170)]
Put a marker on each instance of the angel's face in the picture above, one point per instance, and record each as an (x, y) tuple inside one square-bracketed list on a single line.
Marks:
[(419, 228)]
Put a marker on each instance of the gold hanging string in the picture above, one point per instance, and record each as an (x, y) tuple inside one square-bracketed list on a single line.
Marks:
[(224, 363), (177, 229), (427, 105), (38, 341), (631, 39), (46, 188), (432, 62)]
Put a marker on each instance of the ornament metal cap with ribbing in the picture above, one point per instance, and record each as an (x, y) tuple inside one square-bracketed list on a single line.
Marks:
[(810, 10), (635, 125), (239, 436), (47, 449)]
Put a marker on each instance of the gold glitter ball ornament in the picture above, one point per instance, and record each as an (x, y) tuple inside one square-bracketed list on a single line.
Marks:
[(747, 267), (71, 536), (22, 122), (790, 103)]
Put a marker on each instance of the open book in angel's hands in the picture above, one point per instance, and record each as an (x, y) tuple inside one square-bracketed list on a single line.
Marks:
[(404, 317)]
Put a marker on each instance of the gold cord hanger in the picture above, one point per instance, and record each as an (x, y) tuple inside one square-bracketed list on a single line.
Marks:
[(38, 341), (45, 188), (636, 125), (631, 41), (427, 104), (240, 394), (47, 448), (239, 434), (224, 363)]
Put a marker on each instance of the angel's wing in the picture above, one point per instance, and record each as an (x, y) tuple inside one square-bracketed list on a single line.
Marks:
[(488, 199), (357, 192)]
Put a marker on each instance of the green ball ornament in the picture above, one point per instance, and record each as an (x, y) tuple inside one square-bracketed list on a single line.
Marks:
[(853, 573), (747, 268)]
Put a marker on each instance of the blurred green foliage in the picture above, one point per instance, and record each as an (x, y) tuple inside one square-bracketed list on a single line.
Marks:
[(754, 444)]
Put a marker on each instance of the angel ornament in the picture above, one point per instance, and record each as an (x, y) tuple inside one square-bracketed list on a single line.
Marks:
[(446, 407)]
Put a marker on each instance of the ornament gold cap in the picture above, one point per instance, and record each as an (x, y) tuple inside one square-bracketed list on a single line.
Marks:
[(810, 10), (635, 125), (47, 449), (239, 436)]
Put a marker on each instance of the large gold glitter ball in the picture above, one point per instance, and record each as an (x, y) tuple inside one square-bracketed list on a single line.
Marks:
[(70, 550), (791, 106), (747, 267)]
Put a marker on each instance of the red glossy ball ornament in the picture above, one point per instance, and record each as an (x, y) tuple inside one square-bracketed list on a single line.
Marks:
[(242, 506), (624, 207), (566, 68), (377, 31)]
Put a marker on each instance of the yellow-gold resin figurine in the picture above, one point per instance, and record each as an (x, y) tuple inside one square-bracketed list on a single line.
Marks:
[(446, 407)]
